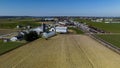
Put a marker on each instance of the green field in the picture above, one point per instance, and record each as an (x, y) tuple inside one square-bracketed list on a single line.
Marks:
[(82, 20), (6, 47), (113, 39), (7, 20), (108, 27), (14, 24)]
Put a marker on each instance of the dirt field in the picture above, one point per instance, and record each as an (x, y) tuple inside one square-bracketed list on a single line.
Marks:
[(62, 51), (7, 31), (45, 22)]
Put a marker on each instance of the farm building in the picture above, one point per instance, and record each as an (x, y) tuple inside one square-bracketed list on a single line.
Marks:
[(60, 29), (13, 39), (50, 34), (62, 23), (38, 30)]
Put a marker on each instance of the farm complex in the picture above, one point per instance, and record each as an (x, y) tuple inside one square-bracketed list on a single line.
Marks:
[(59, 42)]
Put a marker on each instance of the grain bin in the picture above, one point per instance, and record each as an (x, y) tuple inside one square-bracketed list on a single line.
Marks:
[(48, 35)]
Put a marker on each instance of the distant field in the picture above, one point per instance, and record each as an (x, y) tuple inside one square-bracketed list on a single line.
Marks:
[(7, 21), (108, 27), (5, 47), (7, 31), (15, 20), (82, 20), (113, 39), (14, 24), (45, 22)]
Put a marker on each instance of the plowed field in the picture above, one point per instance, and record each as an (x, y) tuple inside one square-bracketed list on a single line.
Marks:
[(62, 51)]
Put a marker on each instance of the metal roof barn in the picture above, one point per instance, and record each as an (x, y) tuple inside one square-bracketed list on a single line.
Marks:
[(38, 30)]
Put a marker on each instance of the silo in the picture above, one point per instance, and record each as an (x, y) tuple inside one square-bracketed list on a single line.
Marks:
[(48, 35), (44, 27)]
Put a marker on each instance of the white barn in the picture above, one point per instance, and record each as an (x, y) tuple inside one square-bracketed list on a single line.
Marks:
[(60, 29)]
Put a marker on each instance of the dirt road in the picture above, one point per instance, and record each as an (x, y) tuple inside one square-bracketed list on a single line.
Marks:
[(62, 51)]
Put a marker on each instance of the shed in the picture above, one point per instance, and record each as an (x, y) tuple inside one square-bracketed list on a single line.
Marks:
[(13, 39)]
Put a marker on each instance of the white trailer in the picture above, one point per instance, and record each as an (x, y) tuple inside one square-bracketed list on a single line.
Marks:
[(61, 29)]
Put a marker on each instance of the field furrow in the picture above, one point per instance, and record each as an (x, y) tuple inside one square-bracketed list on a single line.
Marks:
[(62, 51)]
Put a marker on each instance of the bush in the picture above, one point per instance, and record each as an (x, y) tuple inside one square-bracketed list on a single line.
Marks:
[(31, 36)]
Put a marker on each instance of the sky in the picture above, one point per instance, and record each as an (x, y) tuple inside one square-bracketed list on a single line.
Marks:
[(59, 7)]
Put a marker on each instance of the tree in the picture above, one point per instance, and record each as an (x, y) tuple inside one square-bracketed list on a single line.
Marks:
[(31, 36)]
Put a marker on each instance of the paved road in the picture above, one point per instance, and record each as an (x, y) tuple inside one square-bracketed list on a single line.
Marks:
[(62, 51)]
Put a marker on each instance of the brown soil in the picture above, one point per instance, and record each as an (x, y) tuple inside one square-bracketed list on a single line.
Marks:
[(62, 51), (7, 31)]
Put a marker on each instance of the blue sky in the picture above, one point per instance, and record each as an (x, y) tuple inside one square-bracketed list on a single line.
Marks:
[(60, 7)]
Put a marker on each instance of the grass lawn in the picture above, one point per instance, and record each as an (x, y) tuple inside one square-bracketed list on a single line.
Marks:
[(6, 47), (113, 39), (78, 31)]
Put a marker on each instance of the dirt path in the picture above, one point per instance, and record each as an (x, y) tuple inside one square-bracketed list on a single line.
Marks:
[(63, 51)]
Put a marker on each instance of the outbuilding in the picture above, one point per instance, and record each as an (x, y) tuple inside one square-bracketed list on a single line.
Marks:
[(13, 39), (38, 30)]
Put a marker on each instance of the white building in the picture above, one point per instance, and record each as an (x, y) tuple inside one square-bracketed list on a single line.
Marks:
[(38, 30), (62, 23), (98, 20), (60, 29), (13, 39)]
